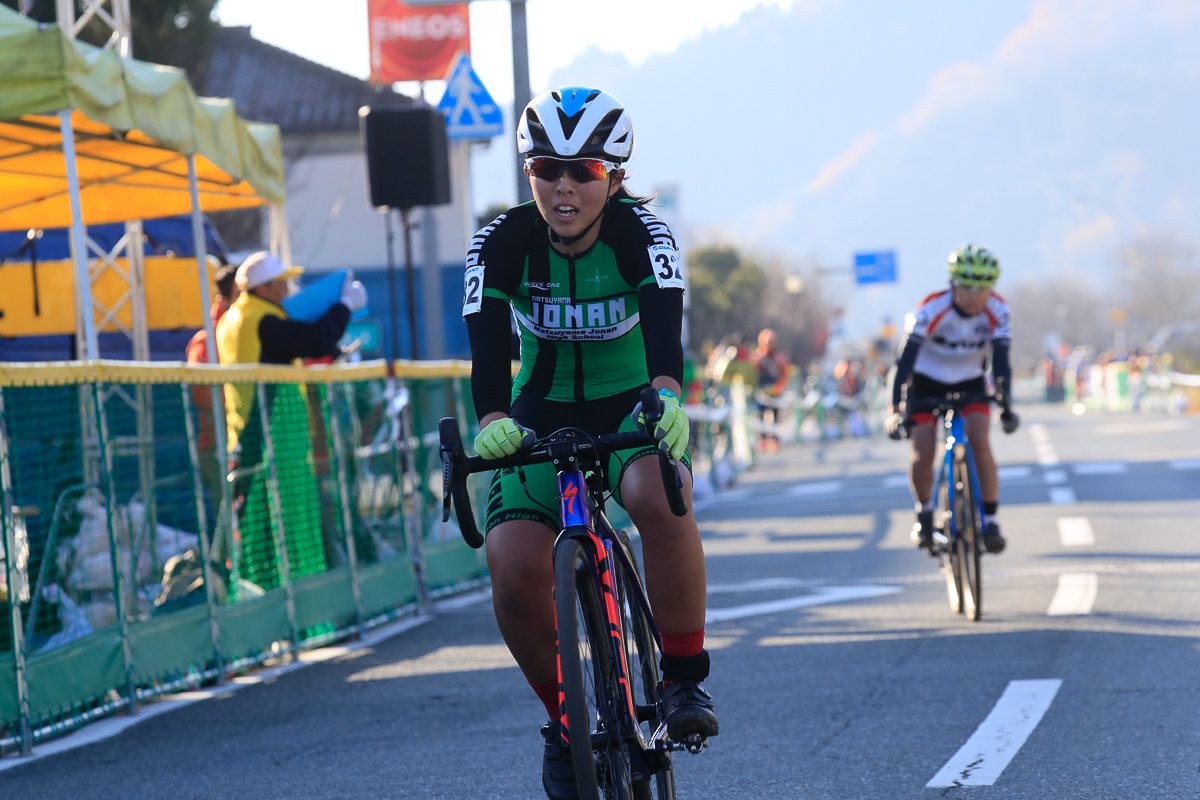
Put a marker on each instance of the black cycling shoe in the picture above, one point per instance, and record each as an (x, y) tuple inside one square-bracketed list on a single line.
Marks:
[(558, 773), (922, 532), (688, 710), (993, 542)]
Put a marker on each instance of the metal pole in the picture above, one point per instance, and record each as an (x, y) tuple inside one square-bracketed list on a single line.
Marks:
[(276, 506), (14, 602), (214, 625), (344, 495), (411, 283), (110, 494), (431, 285), (393, 297), (201, 245), (224, 522), (521, 91), (83, 280)]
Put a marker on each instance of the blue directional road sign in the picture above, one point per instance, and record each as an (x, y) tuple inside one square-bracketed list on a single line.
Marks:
[(470, 111), (875, 267)]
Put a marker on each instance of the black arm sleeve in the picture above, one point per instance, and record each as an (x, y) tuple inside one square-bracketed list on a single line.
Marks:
[(903, 366), (285, 340), (491, 365), (1001, 369), (662, 323)]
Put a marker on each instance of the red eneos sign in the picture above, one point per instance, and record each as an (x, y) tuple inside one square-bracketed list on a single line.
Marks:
[(411, 43)]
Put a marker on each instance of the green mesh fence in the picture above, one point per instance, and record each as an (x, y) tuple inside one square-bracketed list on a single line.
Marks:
[(139, 556)]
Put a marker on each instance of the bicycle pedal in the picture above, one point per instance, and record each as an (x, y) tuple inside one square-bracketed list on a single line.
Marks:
[(694, 743)]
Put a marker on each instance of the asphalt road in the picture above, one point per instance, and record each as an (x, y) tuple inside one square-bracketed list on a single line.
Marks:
[(839, 671)]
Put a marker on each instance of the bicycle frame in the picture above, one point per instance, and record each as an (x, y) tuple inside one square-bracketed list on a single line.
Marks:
[(580, 508), (953, 436)]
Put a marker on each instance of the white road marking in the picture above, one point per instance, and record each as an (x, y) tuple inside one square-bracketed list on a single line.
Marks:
[(997, 740), (1037, 432), (1045, 455), (895, 481), (816, 487), (1076, 594), (1102, 468), (1187, 463), (1014, 472), (1055, 476), (1075, 532), (1062, 495), (822, 596)]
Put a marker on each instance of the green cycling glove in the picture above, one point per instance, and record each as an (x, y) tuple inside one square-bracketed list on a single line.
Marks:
[(672, 430), (503, 437)]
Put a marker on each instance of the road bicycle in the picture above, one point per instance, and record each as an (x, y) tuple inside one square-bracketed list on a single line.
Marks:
[(608, 643), (958, 519)]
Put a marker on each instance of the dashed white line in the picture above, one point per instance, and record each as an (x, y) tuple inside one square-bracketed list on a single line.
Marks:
[(1185, 464), (816, 487), (1062, 495), (1075, 532), (1055, 476), (1101, 468), (997, 740), (822, 596), (1076, 594), (1014, 472), (895, 481)]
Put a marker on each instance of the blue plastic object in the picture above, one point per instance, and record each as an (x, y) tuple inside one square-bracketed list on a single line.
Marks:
[(310, 303)]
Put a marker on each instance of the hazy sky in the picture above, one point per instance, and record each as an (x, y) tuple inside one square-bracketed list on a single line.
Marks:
[(559, 30)]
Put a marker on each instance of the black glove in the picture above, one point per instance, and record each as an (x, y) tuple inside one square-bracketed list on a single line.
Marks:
[(1009, 420)]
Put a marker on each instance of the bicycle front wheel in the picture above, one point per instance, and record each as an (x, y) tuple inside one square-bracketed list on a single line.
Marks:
[(969, 542), (591, 694), (653, 775), (951, 559)]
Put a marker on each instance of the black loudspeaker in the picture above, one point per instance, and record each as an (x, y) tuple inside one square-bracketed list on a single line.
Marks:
[(408, 163)]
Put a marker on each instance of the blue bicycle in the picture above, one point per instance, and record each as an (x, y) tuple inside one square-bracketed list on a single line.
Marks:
[(958, 521)]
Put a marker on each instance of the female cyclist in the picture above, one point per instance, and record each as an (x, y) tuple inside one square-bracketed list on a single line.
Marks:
[(592, 279)]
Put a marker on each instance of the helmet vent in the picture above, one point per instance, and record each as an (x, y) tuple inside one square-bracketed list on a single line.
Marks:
[(568, 123)]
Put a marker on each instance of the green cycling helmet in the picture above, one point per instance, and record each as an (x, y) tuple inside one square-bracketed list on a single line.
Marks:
[(972, 265)]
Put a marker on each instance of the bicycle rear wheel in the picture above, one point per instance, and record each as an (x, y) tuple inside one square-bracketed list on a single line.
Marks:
[(591, 694), (653, 775), (969, 542)]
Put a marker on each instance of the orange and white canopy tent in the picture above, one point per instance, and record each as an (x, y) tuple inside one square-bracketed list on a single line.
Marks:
[(134, 125), (88, 137)]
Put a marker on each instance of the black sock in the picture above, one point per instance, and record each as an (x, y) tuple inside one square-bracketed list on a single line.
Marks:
[(989, 509)]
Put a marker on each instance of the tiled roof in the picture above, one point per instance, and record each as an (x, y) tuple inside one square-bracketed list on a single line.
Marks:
[(269, 84)]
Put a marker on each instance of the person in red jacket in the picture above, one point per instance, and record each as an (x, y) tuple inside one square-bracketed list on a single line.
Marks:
[(211, 464)]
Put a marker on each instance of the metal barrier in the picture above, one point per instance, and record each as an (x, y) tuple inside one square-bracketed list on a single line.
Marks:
[(136, 562)]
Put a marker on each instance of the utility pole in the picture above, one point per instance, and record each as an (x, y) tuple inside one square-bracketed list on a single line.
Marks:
[(521, 90)]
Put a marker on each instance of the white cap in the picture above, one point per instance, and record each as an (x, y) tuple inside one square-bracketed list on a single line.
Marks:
[(261, 268)]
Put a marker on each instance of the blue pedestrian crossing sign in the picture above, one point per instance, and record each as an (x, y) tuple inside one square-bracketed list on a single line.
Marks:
[(470, 111)]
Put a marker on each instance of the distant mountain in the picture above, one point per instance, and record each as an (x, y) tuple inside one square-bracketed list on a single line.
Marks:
[(1050, 130)]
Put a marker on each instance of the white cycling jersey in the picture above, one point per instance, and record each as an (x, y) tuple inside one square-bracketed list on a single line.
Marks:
[(955, 348)]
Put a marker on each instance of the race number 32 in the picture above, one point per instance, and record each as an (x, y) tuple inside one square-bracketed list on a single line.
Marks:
[(666, 266), (473, 290)]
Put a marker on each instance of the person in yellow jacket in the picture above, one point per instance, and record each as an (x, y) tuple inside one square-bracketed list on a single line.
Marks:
[(256, 329)]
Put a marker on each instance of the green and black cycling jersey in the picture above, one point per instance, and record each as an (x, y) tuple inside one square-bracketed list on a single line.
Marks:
[(596, 325)]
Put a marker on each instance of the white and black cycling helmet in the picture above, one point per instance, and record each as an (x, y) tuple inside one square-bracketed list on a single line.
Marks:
[(575, 122)]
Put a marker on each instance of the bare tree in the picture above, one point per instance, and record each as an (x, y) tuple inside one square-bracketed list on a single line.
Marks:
[(1159, 285), (1046, 313)]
